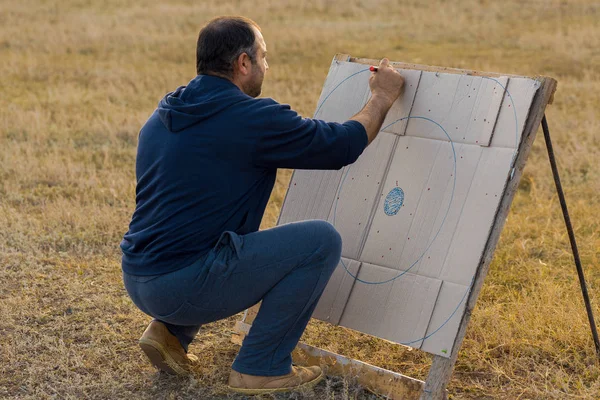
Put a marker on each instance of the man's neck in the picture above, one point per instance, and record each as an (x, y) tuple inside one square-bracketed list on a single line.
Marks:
[(235, 81)]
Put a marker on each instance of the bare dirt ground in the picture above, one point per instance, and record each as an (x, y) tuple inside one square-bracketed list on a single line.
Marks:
[(79, 78)]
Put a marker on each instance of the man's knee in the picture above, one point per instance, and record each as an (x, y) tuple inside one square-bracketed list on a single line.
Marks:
[(328, 239)]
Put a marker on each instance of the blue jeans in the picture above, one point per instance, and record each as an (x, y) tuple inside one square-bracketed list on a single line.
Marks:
[(287, 267)]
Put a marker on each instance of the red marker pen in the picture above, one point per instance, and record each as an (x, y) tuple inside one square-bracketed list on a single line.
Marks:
[(373, 68)]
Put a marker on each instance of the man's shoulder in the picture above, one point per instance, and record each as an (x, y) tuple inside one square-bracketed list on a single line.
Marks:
[(262, 102), (261, 107)]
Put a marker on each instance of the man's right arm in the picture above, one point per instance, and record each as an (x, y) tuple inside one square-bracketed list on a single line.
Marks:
[(286, 140), (386, 86)]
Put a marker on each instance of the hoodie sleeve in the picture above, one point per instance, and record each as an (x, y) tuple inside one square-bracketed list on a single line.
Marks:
[(290, 141)]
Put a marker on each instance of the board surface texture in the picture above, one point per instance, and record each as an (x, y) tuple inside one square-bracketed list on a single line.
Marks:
[(416, 209)]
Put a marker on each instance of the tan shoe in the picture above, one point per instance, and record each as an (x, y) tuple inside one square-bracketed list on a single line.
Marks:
[(164, 350), (299, 378)]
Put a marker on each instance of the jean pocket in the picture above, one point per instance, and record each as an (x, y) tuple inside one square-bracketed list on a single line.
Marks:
[(226, 256), (231, 239), (189, 314)]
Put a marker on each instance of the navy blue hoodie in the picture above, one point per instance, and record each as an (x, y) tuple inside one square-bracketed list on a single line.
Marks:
[(206, 163)]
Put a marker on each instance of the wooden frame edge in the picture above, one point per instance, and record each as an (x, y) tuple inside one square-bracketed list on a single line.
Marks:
[(431, 68)]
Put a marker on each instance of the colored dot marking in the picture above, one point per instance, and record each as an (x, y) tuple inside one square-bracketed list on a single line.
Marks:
[(393, 201)]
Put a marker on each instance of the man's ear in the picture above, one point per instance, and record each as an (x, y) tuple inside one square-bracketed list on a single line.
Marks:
[(243, 64)]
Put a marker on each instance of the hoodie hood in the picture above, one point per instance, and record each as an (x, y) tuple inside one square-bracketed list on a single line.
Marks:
[(204, 97)]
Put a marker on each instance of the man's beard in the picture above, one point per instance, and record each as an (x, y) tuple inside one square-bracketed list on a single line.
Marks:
[(254, 88)]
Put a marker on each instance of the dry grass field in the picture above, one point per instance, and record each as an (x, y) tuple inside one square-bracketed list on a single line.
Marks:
[(78, 78)]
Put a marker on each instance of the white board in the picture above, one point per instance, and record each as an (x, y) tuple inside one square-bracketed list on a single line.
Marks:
[(310, 195), (415, 210)]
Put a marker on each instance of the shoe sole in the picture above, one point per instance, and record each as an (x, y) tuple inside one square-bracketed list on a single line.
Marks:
[(160, 357), (305, 385)]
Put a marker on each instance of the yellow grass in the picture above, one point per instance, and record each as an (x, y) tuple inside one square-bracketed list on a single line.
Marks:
[(79, 78)]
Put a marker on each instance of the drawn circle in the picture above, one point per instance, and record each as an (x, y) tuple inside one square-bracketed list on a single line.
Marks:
[(393, 201), (441, 224)]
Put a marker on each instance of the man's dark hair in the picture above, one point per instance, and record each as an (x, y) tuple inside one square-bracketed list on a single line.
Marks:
[(221, 42)]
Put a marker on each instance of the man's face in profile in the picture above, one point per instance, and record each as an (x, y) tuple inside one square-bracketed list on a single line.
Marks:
[(259, 66)]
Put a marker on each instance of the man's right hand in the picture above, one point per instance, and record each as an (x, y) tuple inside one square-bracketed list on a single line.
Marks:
[(386, 86), (386, 83)]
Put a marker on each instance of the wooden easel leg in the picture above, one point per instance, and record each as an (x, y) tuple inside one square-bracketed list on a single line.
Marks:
[(438, 378)]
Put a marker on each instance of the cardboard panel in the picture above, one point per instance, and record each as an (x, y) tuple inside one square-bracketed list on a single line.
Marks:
[(428, 207), (429, 252), (466, 106), (444, 323), (399, 310), (345, 92), (358, 191), (478, 214), (334, 298), (310, 195), (487, 107), (402, 106), (522, 91), (410, 170)]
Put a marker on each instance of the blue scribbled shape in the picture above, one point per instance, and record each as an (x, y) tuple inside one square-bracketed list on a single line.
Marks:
[(393, 201)]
